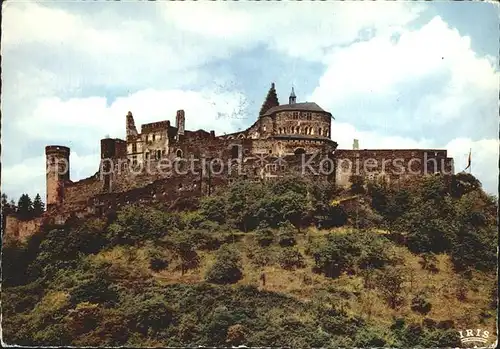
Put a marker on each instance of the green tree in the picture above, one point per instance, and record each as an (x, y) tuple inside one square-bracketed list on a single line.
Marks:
[(38, 206), (357, 184), (390, 282), (227, 267), (25, 207)]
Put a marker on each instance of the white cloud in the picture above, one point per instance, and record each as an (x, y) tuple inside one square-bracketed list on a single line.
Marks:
[(28, 176), (296, 29), (484, 159), (429, 78)]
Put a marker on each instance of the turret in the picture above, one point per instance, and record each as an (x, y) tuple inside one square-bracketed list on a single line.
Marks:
[(180, 122), (292, 98), (57, 172)]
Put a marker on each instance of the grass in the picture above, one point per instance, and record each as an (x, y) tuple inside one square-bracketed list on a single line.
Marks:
[(347, 291)]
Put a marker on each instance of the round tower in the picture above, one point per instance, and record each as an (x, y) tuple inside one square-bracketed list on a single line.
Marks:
[(57, 171)]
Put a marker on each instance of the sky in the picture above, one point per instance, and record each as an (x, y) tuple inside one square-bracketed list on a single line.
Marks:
[(393, 74)]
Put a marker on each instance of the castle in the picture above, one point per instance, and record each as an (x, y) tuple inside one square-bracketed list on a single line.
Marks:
[(165, 163)]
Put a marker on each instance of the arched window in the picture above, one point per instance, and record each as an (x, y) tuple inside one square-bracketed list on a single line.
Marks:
[(158, 154), (319, 131), (235, 152), (299, 151), (178, 153)]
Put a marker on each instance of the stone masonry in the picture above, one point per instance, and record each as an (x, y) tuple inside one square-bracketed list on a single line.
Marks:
[(164, 163)]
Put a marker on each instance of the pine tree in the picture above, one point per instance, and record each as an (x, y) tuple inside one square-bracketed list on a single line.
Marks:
[(4, 200), (25, 207), (38, 206)]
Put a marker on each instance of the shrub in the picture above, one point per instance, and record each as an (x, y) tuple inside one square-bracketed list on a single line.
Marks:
[(369, 338), (227, 267), (262, 257), (286, 236), (235, 334), (265, 236), (390, 282), (291, 258), (152, 314), (342, 253), (429, 262), (420, 304), (156, 264)]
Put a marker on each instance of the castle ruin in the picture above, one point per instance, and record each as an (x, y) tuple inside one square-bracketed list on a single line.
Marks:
[(165, 163)]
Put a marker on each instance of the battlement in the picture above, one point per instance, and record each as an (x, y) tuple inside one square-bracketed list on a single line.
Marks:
[(155, 126), (57, 149)]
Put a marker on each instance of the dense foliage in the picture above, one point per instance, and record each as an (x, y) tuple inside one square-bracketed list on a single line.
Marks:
[(144, 276)]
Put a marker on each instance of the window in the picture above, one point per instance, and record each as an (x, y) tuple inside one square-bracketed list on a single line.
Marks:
[(134, 147), (158, 154), (178, 153), (154, 137), (295, 115), (235, 152), (319, 131), (264, 128), (134, 160), (147, 155)]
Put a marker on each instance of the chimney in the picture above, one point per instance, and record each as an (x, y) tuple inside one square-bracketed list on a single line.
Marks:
[(180, 122), (355, 145)]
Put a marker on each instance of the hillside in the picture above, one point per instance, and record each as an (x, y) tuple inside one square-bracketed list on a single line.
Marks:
[(287, 263)]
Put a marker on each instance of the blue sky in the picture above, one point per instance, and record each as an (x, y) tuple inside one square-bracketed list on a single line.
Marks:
[(393, 74)]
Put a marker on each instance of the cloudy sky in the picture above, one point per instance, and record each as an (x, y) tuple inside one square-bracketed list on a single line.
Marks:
[(393, 74)]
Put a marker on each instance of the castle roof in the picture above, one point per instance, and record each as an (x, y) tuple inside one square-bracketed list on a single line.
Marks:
[(307, 106)]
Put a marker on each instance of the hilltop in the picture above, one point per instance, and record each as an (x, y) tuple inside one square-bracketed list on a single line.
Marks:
[(290, 262)]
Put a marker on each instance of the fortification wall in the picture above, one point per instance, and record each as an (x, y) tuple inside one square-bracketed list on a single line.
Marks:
[(82, 190), (390, 164), (16, 229)]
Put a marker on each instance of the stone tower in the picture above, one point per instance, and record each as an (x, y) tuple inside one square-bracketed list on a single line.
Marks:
[(131, 129), (180, 122), (57, 171), (292, 99)]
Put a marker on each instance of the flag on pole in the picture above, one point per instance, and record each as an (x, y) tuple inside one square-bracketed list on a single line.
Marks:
[(469, 160)]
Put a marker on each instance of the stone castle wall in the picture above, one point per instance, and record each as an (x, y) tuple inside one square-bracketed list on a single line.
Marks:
[(390, 164)]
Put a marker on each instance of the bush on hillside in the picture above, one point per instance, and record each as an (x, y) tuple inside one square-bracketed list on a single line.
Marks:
[(291, 258), (348, 252), (227, 266), (420, 304), (264, 236)]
